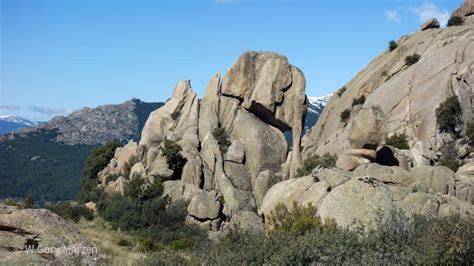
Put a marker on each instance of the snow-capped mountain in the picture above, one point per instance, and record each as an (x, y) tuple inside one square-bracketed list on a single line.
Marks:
[(10, 123), (317, 103), (315, 108)]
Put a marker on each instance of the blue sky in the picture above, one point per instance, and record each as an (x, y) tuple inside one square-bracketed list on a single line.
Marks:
[(61, 55)]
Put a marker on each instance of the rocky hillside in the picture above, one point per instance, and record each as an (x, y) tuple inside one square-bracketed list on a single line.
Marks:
[(47, 160), (10, 123), (92, 126), (408, 92)]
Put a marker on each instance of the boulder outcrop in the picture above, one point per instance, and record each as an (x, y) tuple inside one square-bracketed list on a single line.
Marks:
[(260, 97), (371, 195), (51, 239), (365, 131)]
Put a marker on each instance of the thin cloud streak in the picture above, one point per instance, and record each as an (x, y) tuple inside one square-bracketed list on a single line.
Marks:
[(393, 15), (49, 111), (428, 11), (10, 107)]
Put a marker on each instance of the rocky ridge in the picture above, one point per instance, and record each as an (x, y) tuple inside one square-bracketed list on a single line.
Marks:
[(408, 94), (100, 125)]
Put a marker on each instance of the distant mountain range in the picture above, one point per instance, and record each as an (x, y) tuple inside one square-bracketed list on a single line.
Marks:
[(10, 123), (46, 159)]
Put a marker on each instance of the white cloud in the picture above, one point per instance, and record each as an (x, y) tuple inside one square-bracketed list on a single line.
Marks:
[(393, 15), (49, 111), (10, 107), (428, 11)]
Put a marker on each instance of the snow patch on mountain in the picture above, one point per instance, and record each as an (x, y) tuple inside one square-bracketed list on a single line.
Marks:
[(18, 120)]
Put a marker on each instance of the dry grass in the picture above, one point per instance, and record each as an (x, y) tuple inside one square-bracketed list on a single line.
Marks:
[(107, 241)]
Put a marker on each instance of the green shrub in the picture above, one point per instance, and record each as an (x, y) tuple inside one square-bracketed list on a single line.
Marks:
[(392, 45), (10, 202), (426, 241), (145, 244), (399, 141), (95, 162), (172, 152), (358, 101), (412, 59), (111, 178), (222, 137), (455, 21), (28, 202), (341, 91), (221, 199), (141, 190), (181, 244), (345, 115), (124, 242), (299, 219), (313, 161), (452, 164), (450, 156), (129, 164), (449, 115), (73, 212), (169, 257)]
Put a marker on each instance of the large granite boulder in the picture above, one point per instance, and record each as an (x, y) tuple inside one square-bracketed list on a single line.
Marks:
[(465, 182), (52, 240), (177, 190), (304, 190), (265, 146), (363, 200), (367, 127), (271, 89), (387, 174), (436, 180), (430, 24), (366, 130), (124, 158), (179, 116), (205, 206)]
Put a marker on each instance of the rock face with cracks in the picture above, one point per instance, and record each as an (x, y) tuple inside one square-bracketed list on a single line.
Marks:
[(407, 95), (261, 96)]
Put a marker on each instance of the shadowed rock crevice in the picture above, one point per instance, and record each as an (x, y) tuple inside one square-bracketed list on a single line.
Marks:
[(385, 156)]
